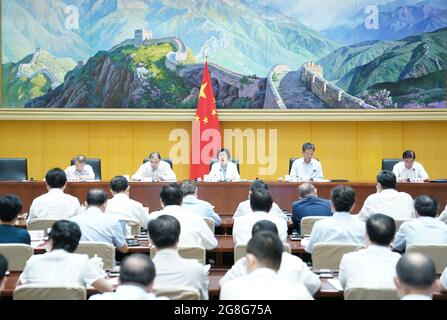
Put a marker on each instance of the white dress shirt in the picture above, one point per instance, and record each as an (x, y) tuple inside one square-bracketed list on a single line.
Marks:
[(306, 171), (416, 297), (125, 292), (444, 279), (86, 174), (243, 226), (263, 284), (97, 226), (55, 204), (292, 270), (244, 208), (341, 227), (443, 215), (194, 230), (370, 268), (230, 174), (423, 230), (417, 171), (164, 171), (397, 205), (60, 267), (121, 207), (174, 271), (201, 208)]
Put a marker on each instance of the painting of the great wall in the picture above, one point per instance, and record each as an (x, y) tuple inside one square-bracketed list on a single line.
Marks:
[(285, 54)]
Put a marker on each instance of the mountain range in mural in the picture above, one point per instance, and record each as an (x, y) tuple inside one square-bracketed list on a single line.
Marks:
[(257, 53)]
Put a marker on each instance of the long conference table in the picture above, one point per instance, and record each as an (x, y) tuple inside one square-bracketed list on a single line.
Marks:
[(225, 196)]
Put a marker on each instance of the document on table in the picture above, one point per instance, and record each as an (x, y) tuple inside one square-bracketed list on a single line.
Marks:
[(335, 283)]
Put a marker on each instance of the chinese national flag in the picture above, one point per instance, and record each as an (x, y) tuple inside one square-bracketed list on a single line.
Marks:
[(206, 136)]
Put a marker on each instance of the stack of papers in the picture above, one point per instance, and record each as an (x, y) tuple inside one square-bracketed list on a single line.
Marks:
[(336, 284)]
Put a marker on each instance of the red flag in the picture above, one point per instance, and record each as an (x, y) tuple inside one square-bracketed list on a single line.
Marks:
[(206, 137)]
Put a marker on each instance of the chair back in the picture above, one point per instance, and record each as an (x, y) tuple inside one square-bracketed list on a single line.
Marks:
[(96, 166), (41, 224), (240, 250), (235, 161), (210, 223), (168, 160), (388, 163), (307, 223), (371, 294), (16, 254), (187, 252), (438, 253), (328, 255), (103, 250), (13, 169), (49, 292), (178, 293)]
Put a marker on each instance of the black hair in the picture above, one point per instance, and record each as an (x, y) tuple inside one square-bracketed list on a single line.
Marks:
[(380, 229), (81, 159), (408, 154), (96, 197), (261, 200), (137, 269), (65, 235), (387, 179), (264, 225), (10, 207), (155, 154), (219, 151), (171, 194), (343, 198), (416, 270), (56, 178), (164, 231), (267, 248), (308, 146), (119, 184), (426, 206), (258, 184), (188, 187)]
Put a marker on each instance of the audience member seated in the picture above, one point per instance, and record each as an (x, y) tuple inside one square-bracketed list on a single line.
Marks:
[(341, 227), (375, 266), (54, 204), (244, 207), (10, 207), (60, 265), (193, 204), (121, 207), (97, 226), (155, 170), (224, 169), (387, 200), (261, 203), (172, 270), (292, 268), (309, 205), (425, 229), (136, 281), (3, 269), (80, 170), (416, 277), (263, 260), (195, 231)]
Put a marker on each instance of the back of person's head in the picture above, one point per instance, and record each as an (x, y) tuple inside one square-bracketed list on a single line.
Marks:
[(10, 207), (408, 154), (119, 184), (426, 206), (306, 189), (258, 184), (342, 198), (387, 179), (188, 187), (171, 194), (137, 269), (380, 229), (3, 268), (261, 200), (96, 197), (56, 178), (267, 248), (81, 159), (308, 146), (164, 231), (65, 235), (416, 271), (155, 155), (264, 225)]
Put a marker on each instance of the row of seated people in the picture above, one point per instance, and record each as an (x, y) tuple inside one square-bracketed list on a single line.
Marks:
[(265, 273)]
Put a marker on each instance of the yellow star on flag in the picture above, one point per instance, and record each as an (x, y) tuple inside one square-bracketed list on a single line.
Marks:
[(214, 112), (197, 118), (205, 120), (202, 90)]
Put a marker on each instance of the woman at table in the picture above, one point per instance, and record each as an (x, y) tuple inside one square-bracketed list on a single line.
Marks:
[(224, 169)]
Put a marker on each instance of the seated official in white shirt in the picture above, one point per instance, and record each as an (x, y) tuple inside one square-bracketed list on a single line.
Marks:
[(193, 204), (155, 170), (60, 265), (3, 269), (424, 230), (97, 226), (80, 170), (121, 207), (416, 277), (195, 231), (173, 271), (307, 168), (55, 204), (409, 170), (375, 266), (261, 203), (136, 281), (387, 200), (263, 260), (244, 207), (224, 169), (342, 226), (292, 268)]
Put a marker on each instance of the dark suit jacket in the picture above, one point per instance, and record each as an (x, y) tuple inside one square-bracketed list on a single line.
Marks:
[(309, 206)]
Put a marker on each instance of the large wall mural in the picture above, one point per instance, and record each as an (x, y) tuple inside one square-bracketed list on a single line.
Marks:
[(285, 54)]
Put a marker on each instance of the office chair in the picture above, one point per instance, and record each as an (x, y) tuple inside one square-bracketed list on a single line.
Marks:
[(13, 169)]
